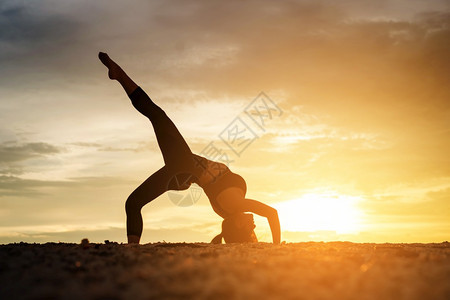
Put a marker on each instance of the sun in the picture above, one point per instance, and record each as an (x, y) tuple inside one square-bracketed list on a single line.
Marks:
[(321, 211)]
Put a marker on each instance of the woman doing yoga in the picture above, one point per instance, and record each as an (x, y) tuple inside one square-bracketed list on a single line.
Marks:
[(225, 189)]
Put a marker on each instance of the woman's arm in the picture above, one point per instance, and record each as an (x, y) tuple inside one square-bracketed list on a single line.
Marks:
[(249, 205), (266, 211)]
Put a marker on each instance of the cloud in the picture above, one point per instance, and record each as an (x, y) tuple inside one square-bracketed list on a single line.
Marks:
[(19, 187), (289, 45), (10, 152), (13, 155), (410, 208), (142, 146), (88, 145), (28, 28)]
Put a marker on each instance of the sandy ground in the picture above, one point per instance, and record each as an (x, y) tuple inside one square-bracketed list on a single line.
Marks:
[(337, 270)]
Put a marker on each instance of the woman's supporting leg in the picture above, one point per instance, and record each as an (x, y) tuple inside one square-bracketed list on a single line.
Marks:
[(150, 189), (158, 183)]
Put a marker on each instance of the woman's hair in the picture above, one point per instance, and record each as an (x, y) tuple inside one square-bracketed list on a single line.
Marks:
[(237, 228)]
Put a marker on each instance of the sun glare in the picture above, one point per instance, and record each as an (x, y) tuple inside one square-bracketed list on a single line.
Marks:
[(321, 211)]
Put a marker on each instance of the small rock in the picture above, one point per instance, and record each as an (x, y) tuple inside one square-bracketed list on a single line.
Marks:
[(85, 243)]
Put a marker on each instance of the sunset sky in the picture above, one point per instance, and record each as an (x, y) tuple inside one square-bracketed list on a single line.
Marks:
[(360, 151)]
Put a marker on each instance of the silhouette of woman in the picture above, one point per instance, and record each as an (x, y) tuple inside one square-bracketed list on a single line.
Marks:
[(225, 189)]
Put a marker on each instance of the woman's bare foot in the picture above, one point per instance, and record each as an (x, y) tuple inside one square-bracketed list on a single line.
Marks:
[(117, 73), (114, 71), (133, 239)]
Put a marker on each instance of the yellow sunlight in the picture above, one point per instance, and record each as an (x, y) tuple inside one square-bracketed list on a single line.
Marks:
[(321, 211)]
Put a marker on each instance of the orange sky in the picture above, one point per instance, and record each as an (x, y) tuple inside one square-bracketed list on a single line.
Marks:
[(359, 153)]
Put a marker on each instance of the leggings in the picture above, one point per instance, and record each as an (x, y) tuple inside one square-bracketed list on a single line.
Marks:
[(180, 170)]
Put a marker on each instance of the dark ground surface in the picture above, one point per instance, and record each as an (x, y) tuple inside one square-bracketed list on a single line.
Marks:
[(336, 270)]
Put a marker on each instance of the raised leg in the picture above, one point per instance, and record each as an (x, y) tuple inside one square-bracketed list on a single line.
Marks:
[(175, 151)]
